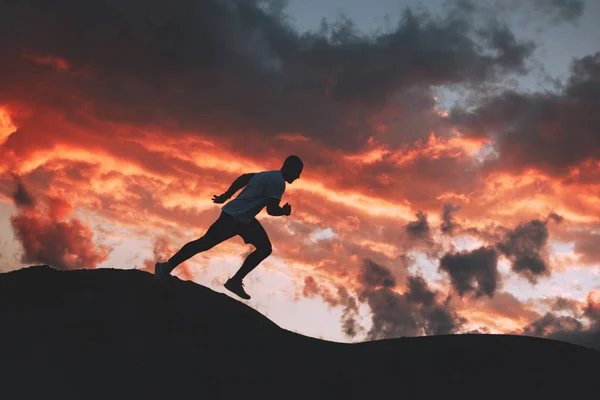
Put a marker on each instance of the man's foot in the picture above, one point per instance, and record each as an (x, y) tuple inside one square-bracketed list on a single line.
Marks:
[(237, 287), (162, 270)]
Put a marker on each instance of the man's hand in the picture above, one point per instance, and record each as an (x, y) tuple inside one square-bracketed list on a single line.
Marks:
[(287, 209), (220, 199)]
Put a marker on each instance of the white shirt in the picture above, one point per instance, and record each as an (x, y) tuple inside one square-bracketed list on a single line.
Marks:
[(253, 198)]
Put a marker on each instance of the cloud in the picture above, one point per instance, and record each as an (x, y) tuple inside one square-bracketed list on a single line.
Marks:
[(420, 227), (312, 288), (21, 196), (50, 241), (216, 66), (448, 224), (474, 272), (570, 329), (587, 247), (525, 246), (561, 303), (350, 327), (550, 323), (550, 11), (500, 313), (162, 251), (559, 10), (415, 312), (553, 132), (374, 276), (419, 310)]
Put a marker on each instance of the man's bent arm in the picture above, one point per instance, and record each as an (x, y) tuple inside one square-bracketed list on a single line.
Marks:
[(239, 183), (274, 209), (275, 212)]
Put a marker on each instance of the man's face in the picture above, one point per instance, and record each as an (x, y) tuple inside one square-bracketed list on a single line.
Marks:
[(293, 175)]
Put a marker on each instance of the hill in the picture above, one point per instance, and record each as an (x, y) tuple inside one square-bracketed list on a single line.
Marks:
[(118, 333)]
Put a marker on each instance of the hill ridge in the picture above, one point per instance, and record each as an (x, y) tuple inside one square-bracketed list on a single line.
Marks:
[(73, 330)]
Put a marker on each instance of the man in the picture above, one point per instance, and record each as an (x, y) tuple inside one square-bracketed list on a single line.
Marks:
[(238, 217)]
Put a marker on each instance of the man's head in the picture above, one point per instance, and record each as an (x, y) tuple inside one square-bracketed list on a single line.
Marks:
[(292, 168)]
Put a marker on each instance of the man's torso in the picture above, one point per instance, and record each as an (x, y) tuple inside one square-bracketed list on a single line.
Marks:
[(253, 198)]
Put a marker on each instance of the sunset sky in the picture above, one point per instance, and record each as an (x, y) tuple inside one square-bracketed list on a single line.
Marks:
[(451, 150)]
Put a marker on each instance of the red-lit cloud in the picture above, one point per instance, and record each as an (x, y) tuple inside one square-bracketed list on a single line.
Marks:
[(48, 239)]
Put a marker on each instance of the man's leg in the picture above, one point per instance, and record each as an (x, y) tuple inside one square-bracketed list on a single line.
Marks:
[(218, 232), (256, 235)]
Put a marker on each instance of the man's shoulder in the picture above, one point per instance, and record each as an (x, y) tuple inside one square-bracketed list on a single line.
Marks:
[(274, 175)]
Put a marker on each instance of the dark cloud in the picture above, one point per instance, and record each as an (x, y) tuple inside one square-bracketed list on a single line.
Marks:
[(417, 311), (525, 246), (350, 327), (312, 288), (570, 329), (21, 196), (550, 131), (551, 323), (565, 304), (419, 236), (473, 272), (373, 276), (555, 217), (448, 224), (420, 227), (225, 66)]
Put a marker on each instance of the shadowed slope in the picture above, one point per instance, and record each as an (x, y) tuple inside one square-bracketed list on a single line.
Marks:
[(119, 333)]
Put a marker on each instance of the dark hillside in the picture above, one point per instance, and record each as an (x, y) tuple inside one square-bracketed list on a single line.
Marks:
[(118, 333)]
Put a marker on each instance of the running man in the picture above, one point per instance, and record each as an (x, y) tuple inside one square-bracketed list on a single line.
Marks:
[(238, 217)]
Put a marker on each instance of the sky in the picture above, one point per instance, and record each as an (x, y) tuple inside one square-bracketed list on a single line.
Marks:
[(451, 151)]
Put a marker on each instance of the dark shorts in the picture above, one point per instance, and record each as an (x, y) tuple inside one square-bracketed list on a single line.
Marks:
[(226, 227)]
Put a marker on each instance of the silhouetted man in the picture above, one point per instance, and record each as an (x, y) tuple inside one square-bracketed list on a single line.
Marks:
[(238, 217)]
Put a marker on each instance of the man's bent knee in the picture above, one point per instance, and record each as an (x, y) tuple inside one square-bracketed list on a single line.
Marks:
[(265, 250)]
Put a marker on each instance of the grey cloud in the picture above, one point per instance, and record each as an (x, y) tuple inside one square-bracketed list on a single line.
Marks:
[(22, 197), (567, 328), (552, 131), (551, 323), (420, 227), (473, 272), (417, 311), (448, 212), (373, 275), (525, 246)]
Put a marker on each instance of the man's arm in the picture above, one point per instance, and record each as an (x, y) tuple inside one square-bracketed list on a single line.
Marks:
[(239, 183), (274, 209)]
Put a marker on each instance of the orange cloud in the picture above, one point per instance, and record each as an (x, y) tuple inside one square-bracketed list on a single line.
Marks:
[(7, 127)]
